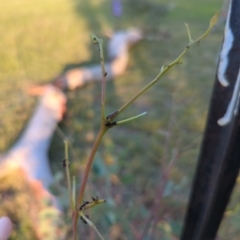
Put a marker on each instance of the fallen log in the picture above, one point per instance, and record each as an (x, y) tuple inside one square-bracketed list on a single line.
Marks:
[(25, 174), (118, 53)]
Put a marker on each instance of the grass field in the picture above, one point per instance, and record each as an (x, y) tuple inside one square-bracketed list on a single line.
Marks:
[(41, 39)]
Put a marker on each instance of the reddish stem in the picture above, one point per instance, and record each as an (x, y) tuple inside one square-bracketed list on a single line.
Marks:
[(101, 133)]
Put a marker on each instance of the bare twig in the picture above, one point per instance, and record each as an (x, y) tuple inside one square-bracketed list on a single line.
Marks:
[(164, 172), (66, 164)]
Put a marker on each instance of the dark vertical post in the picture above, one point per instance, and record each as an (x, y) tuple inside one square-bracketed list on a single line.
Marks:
[(219, 159)]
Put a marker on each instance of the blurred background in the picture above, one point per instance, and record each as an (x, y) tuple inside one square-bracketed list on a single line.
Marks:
[(42, 39)]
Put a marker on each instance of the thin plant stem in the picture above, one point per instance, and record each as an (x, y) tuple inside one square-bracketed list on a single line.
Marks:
[(63, 136), (109, 120), (101, 133), (130, 119), (104, 74), (74, 192), (90, 224), (98, 233), (164, 172), (165, 69), (89, 163), (175, 157), (96, 40), (69, 185)]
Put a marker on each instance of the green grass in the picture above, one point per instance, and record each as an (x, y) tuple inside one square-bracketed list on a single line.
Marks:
[(41, 39)]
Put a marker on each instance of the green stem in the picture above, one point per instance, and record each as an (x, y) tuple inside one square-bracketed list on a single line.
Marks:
[(189, 33), (165, 69), (66, 143), (112, 116), (101, 133), (100, 41), (81, 214), (96, 40), (74, 192), (130, 119)]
